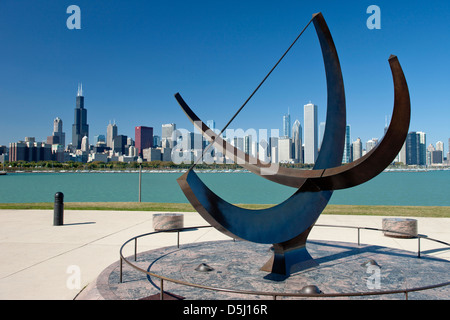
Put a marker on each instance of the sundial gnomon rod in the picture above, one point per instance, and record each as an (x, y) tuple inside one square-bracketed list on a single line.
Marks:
[(253, 93)]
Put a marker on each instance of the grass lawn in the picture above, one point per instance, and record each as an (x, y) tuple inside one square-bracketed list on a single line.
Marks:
[(395, 211)]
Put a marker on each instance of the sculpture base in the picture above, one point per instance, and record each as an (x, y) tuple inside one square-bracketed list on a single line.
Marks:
[(290, 261), (290, 256), (343, 268)]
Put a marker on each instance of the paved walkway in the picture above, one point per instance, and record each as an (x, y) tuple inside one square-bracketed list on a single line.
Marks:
[(46, 262)]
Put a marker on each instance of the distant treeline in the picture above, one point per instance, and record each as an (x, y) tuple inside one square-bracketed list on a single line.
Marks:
[(116, 165), (152, 165)]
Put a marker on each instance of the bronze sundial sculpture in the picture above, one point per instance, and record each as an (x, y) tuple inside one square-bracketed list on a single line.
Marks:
[(287, 225)]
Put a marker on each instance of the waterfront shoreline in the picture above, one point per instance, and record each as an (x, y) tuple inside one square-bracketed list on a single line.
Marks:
[(357, 210), (201, 170)]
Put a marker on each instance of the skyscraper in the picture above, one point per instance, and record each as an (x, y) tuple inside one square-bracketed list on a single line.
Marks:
[(370, 144), (402, 154), (119, 144), (448, 153), (167, 131), (111, 134), (211, 124), (297, 142), (58, 131), (412, 148), (284, 149), (347, 157), (143, 139), (80, 127), (287, 125), (321, 133), (85, 144), (310, 136), (248, 144), (422, 151), (357, 149)]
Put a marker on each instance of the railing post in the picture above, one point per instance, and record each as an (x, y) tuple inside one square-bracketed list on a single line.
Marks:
[(135, 249), (178, 238), (161, 294), (120, 270), (418, 247), (359, 237)]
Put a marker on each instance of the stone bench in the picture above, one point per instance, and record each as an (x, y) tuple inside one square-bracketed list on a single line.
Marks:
[(407, 227), (167, 221)]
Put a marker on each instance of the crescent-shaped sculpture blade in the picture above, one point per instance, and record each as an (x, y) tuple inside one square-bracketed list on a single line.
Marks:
[(301, 210), (384, 153), (331, 178)]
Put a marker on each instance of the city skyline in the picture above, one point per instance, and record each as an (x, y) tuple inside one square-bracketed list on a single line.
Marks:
[(128, 57), (298, 147)]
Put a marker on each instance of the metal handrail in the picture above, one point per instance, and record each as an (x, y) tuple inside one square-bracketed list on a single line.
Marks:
[(277, 294)]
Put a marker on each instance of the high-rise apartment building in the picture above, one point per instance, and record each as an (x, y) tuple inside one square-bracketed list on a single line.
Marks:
[(80, 127), (310, 133), (143, 139)]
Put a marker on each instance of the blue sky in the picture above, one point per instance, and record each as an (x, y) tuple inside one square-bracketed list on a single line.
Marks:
[(133, 56)]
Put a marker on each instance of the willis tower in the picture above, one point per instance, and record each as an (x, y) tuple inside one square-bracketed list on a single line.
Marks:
[(80, 128)]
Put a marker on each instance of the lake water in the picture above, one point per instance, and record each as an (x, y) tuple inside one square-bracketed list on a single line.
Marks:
[(430, 188)]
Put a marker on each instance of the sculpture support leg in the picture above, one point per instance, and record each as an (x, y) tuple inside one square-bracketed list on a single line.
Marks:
[(291, 256)]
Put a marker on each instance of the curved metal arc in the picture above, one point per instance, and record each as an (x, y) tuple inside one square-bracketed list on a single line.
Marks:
[(297, 214), (332, 148), (375, 161), (293, 216), (339, 177)]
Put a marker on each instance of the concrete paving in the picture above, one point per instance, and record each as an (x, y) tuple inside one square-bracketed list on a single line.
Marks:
[(46, 262)]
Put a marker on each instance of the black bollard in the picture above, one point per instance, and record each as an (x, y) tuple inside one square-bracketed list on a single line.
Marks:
[(58, 215)]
